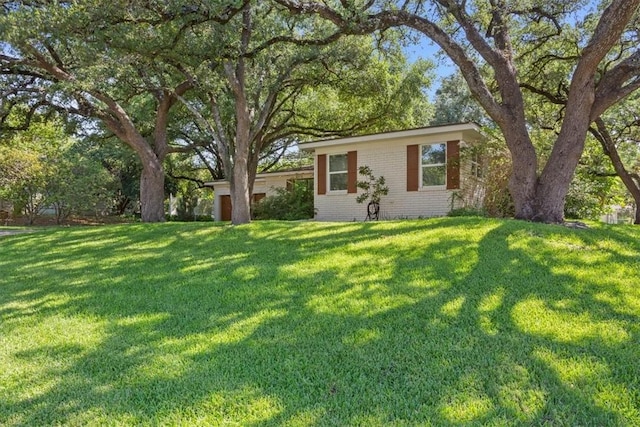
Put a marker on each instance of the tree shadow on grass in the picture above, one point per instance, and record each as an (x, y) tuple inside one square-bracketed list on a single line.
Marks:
[(536, 346), (265, 326)]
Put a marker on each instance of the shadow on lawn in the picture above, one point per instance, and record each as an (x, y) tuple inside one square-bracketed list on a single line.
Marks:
[(265, 325)]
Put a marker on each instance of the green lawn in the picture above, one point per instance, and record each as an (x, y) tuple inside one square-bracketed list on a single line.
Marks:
[(431, 322)]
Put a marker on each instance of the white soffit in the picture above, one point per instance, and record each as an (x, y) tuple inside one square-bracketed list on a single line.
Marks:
[(471, 131)]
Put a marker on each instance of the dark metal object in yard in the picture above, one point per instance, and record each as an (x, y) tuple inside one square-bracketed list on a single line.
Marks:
[(373, 211)]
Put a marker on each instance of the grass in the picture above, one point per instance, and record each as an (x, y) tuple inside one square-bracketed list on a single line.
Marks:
[(452, 321)]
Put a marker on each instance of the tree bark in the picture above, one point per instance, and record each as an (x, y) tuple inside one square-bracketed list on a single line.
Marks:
[(523, 181), (240, 188), (152, 191), (240, 200), (538, 198)]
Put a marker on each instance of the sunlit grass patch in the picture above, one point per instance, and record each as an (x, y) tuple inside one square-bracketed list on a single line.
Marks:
[(564, 323), (431, 322)]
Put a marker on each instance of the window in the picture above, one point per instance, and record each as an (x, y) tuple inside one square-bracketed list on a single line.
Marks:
[(338, 172), (476, 166), (432, 165)]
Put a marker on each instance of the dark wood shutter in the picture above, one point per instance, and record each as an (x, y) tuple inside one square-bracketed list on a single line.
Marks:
[(413, 167), (322, 173), (225, 208), (352, 172), (453, 165)]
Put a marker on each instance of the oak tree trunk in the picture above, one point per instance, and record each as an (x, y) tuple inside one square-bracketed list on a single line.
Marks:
[(240, 199), (152, 192), (524, 179), (240, 188)]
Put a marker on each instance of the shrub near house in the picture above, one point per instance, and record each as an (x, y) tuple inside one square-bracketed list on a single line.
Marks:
[(293, 203), (266, 185)]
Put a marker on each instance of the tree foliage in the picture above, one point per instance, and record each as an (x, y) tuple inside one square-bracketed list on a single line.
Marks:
[(280, 77), (95, 59), (252, 74), (287, 204), (618, 132), (43, 168), (504, 46), (455, 104)]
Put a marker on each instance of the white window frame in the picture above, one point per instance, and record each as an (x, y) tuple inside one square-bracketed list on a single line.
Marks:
[(422, 166), (476, 166), (330, 173)]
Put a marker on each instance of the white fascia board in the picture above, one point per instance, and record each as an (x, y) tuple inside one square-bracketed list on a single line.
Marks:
[(467, 128), (262, 176)]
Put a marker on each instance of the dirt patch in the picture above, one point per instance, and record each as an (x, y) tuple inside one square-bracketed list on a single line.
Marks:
[(12, 232), (50, 221)]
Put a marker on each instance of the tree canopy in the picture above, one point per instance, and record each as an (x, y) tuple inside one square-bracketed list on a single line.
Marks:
[(251, 75), (238, 82), (500, 46)]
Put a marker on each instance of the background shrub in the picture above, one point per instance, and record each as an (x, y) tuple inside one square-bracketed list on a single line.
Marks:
[(287, 204)]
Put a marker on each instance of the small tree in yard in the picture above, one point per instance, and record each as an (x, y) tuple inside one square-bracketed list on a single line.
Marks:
[(374, 188)]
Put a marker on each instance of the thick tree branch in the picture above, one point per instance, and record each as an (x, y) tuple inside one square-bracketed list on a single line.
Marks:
[(617, 83), (551, 97), (397, 18)]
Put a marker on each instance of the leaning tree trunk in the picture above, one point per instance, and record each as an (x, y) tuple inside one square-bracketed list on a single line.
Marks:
[(555, 180), (524, 179), (151, 180), (556, 177)]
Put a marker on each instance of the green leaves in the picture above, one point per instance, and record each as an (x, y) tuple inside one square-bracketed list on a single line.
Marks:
[(42, 168), (374, 188)]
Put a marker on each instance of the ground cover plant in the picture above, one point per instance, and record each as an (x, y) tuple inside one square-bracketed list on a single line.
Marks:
[(428, 322)]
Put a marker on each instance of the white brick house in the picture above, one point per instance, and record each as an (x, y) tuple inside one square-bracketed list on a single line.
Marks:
[(427, 171)]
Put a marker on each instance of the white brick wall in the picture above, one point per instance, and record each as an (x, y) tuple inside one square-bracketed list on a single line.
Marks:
[(389, 159)]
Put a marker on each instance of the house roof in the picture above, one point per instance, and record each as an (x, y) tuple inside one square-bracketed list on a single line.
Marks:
[(303, 170), (471, 132)]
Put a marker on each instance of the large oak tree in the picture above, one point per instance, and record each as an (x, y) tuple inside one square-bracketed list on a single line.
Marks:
[(271, 78), (487, 40), (97, 59), (242, 68)]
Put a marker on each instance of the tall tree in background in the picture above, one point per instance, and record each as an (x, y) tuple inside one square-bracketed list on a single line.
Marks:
[(274, 76), (618, 132), (96, 59), (455, 104), (42, 167), (496, 35)]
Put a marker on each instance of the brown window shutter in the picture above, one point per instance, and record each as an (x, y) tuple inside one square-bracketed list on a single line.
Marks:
[(453, 165), (322, 173), (352, 172), (413, 166)]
